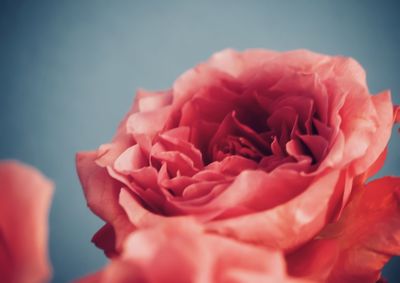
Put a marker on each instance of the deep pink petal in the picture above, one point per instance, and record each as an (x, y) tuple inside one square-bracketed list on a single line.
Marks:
[(101, 193)]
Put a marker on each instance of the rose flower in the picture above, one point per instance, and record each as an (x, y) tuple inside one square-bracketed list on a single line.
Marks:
[(259, 146)]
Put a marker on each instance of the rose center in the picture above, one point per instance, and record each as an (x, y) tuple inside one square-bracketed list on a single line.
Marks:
[(234, 145)]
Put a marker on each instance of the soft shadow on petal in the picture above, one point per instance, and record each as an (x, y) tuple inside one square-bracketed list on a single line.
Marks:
[(314, 260), (137, 214)]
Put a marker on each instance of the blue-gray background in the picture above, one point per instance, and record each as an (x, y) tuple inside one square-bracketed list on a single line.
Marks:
[(69, 69)]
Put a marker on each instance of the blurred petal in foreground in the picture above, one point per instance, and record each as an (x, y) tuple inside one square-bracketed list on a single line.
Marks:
[(25, 196), (179, 251)]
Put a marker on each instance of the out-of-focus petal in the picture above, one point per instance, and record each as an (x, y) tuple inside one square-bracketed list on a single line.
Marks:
[(179, 251), (25, 196)]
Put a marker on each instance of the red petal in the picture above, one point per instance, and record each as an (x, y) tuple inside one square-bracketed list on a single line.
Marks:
[(315, 260), (396, 115), (368, 233)]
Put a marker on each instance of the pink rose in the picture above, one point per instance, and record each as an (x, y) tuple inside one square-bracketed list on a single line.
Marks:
[(25, 196), (263, 147), (179, 251), (259, 145)]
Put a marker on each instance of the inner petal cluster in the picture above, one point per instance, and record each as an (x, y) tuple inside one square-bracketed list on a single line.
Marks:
[(268, 127), (191, 165)]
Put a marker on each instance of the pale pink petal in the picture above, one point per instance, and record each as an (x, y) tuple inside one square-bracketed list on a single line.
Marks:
[(131, 159), (235, 63), (148, 123), (150, 101)]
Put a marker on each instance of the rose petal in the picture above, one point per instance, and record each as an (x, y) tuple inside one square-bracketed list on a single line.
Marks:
[(178, 140), (137, 214), (107, 153), (396, 114), (288, 225), (356, 247), (368, 233), (383, 106), (257, 190), (25, 196), (148, 123), (236, 63), (194, 80), (130, 160), (101, 193), (197, 257), (317, 145), (150, 101), (314, 260)]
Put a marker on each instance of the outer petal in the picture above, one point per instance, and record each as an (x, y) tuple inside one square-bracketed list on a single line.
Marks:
[(137, 214), (356, 248), (396, 114), (101, 193), (145, 102), (256, 190), (179, 251), (288, 225), (25, 196), (314, 260), (368, 233), (236, 63), (383, 106)]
